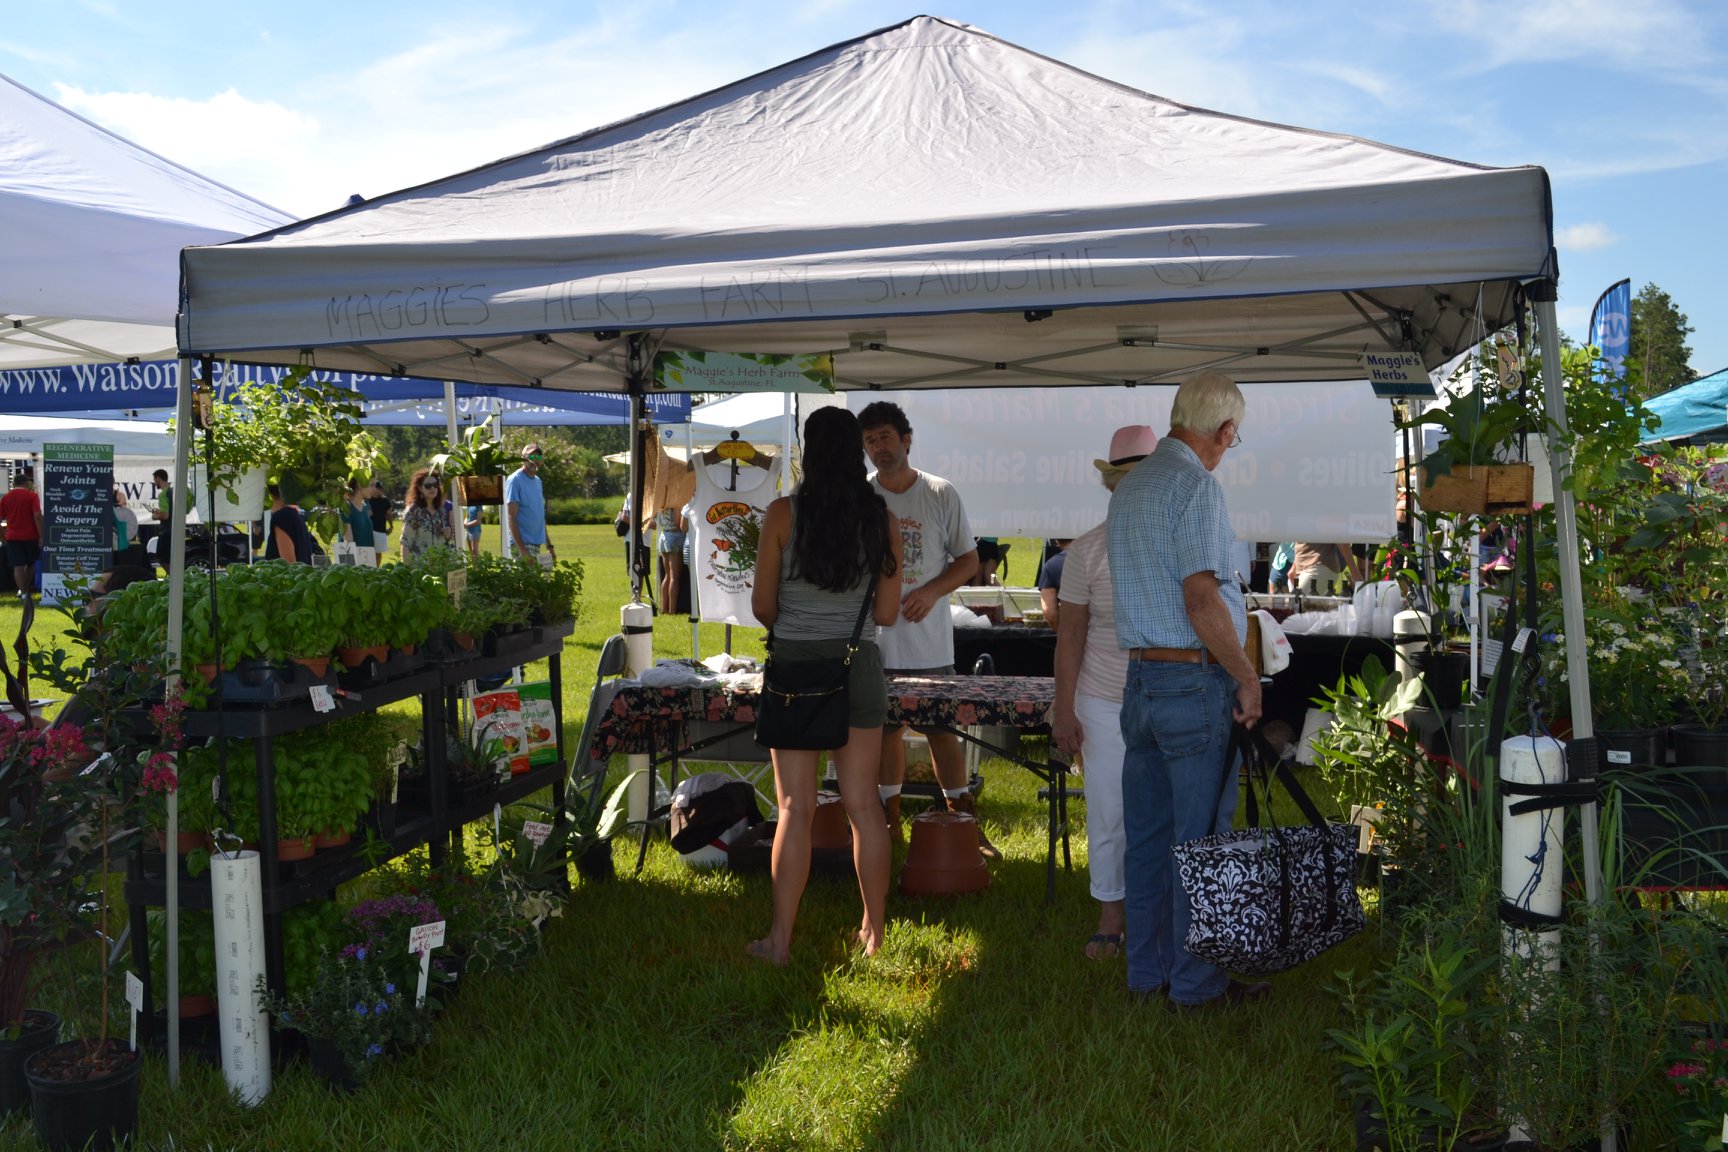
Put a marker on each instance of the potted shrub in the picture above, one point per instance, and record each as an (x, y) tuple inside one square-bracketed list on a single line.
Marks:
[(79, 789), (197, 959), (354, 1013), (478, 463)]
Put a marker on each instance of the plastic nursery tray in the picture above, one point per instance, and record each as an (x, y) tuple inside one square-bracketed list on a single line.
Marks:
[(374, 672), (441, 648), (510, 643), (253, 682)]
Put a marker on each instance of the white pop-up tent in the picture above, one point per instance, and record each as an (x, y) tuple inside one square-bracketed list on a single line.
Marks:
[(934, 207), (93, 224)]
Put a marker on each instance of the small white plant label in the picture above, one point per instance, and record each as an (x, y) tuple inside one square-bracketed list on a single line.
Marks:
[(322, 701), (536, 832), (422, 939), (1523, 641), (454, 583), (135, 997), (1615, 756)]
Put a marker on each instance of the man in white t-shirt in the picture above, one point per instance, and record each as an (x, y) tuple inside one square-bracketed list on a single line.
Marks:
[(938, 556)]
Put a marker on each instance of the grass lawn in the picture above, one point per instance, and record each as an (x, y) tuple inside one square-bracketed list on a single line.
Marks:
[(644, 1025)]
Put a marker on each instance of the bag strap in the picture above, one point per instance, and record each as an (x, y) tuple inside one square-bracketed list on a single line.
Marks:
[(1279, 772), (857, 626)]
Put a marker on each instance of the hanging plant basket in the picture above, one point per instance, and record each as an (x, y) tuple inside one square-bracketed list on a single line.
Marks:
[(481, 489), (1480, 489)]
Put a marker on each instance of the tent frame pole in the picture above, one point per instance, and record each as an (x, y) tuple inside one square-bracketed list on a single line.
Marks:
[(176, 645), (1543, 294)]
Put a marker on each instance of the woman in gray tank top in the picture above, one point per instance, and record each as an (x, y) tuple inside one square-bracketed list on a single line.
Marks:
[(821, 552)]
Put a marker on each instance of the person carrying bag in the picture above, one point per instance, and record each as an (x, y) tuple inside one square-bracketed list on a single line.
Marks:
[(826, 557), (804, 703), (1268, 899)]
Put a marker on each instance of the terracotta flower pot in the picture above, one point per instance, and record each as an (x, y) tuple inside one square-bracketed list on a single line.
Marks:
[(352, 658), (191, 1007), (319, 666), (185, 843), (464, 640), (299, 848), (942, 857), (331, 838), (830, 829), (208, 672)]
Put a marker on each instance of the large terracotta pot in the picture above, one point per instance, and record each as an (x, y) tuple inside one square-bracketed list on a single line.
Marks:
[(830, 829), (943, 856)]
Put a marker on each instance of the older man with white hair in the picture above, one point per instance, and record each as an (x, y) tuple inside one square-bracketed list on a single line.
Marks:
[(1180, 615)]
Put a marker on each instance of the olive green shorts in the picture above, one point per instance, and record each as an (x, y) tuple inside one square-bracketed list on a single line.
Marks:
[(867, 689)]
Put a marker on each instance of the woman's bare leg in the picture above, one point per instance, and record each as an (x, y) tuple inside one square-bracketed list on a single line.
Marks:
[(856, 766), (795, 782)]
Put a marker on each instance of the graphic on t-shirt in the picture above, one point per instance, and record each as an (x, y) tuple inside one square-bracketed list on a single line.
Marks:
[(737, 532), (911, 552)]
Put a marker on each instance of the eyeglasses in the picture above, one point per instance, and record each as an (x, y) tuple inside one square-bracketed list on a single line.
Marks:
[(430, 485), (1235, 438), (533, 457)]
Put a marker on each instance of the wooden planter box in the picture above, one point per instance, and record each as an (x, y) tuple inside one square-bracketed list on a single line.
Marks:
[(1480, 489), (481, 489)]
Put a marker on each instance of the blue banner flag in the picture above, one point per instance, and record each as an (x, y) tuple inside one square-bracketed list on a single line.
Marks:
[(96, 389), (1611, 330)]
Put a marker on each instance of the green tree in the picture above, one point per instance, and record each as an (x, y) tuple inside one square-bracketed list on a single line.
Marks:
[(1659, 358)]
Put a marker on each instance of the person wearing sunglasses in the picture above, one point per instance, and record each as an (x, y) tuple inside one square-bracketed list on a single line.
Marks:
[(426, 522), (525, 506)]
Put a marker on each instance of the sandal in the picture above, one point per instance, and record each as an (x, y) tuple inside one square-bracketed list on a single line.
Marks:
[(1104, 945)]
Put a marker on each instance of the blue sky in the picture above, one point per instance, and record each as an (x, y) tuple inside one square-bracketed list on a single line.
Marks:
[(300, 104)]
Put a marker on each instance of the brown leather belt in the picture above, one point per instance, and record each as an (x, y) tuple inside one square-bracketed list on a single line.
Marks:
[(1172, 655)]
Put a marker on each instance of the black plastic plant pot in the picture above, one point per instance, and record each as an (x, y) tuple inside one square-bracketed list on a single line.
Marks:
[(327, 1061), (39, 1030), (100, 1113), (1629, 747), (1443, 675)]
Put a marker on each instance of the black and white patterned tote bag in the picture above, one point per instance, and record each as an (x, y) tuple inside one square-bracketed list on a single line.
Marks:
[(1266, 899)]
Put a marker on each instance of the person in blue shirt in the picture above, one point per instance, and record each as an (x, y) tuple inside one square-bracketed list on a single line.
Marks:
[(525, 507)]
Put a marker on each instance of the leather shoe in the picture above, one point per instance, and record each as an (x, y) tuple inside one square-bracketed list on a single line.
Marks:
[(1235, 993)]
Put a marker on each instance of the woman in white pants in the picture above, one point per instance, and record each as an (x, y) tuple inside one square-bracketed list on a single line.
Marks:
[(1090, 671)]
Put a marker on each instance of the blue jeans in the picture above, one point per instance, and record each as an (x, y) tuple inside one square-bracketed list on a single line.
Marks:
[(1176, 727)]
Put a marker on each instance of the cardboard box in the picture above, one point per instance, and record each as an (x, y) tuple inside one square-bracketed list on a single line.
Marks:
[(539, 722), (498, 716)]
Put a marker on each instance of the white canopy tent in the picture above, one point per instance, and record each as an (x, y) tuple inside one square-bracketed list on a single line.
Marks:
[(936, 208), (93, 226), (25, 435)]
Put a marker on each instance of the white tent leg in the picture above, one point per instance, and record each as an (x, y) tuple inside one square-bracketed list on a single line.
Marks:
[(176, 645), (1571, 592)]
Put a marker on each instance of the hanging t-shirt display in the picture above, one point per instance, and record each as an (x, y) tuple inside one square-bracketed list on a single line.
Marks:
[(726, 528)]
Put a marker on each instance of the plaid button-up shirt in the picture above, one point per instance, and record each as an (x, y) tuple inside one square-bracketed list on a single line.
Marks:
[(1168, 520)]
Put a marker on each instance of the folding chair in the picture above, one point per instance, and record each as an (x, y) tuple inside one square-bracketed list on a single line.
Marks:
[(587, 775)]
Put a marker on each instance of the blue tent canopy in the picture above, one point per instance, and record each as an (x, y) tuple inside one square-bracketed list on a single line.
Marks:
[(1695, 412)]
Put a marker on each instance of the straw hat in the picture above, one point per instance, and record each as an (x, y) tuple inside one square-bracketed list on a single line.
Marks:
[(1130, 444)]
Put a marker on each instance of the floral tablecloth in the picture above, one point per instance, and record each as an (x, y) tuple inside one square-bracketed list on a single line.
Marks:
[(651, 719)]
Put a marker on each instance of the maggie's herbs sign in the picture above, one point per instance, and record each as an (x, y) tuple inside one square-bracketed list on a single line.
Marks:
[(77, 512)]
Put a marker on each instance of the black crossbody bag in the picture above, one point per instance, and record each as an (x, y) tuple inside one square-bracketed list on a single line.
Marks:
[(805, 703)]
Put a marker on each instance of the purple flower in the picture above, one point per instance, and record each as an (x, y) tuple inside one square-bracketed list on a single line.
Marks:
[(389, 989), (360, 954), (360, 1009), (381, 1007), (374, 1051)]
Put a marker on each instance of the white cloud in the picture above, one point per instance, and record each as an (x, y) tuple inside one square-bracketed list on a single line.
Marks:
[(1584, 237), (1609, 33)]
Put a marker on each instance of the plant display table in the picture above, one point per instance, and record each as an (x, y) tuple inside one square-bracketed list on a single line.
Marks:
[(288, 885)]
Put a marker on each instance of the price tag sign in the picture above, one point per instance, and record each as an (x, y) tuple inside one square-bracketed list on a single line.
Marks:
[(455, 583), (422, 939), (322, 701), (135, 997), (1525, 635), (536, 832)]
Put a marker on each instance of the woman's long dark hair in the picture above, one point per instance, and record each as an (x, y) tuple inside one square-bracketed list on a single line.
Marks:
[(839, 522), (417, 498)]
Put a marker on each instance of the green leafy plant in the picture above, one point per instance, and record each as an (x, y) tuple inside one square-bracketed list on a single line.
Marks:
[(197, 951), (1411, 1052), (356, 1004), (1480, 424), (478, 454)]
